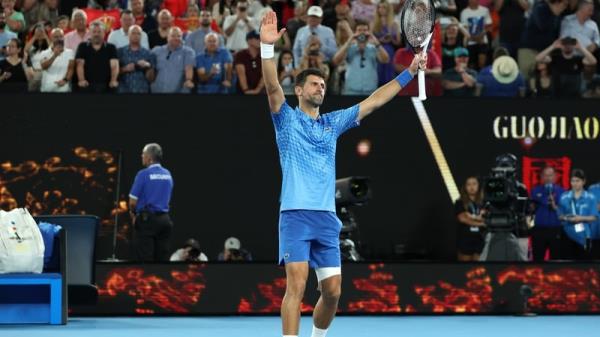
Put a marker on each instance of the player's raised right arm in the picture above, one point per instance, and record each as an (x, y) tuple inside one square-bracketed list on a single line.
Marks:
[(268, 36)]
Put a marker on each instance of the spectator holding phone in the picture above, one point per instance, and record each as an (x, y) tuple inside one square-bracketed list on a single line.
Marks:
[(58, 64), (287, 72)]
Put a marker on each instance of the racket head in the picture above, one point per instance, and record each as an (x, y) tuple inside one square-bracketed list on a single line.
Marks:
[(417, 22)]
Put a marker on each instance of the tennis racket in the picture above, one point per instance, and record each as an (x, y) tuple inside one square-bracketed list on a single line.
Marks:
[(417, 21)]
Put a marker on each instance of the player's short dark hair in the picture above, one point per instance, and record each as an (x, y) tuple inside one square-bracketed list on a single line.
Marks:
[(578, 173), (303, 75)]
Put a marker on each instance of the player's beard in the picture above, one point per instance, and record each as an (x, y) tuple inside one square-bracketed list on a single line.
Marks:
[(315, 100)]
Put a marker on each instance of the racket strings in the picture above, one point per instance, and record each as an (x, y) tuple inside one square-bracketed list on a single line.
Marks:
[(417, 22)]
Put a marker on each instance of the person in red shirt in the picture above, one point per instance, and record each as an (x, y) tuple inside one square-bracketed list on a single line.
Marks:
[(178, 8), (433, 73), (249, 67)]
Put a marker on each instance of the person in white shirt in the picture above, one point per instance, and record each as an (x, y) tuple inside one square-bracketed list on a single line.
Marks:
[(236, 27), (581, 27), (58, 64), (119, 37), (478, 21)]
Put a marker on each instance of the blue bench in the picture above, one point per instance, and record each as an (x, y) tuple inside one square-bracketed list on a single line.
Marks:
[(31, 298)]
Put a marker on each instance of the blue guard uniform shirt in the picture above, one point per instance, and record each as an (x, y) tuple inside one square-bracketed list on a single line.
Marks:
[(152, 189), (307, 156), (545, 215), (595, 191), (585, 205)]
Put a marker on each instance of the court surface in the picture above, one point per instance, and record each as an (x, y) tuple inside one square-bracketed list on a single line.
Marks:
[(361, 326)]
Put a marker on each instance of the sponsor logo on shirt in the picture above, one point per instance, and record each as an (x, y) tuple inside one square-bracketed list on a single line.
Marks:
[(157, 176)]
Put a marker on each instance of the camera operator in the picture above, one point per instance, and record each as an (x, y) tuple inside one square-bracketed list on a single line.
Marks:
[(506, 213), (234, 252), (189, 252), (578, 211), (469, 214), (547, 231)]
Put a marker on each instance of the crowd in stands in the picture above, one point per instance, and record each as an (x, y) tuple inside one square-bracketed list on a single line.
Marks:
[(508, 48)]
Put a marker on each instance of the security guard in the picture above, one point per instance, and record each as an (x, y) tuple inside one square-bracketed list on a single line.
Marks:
[(149, 206)]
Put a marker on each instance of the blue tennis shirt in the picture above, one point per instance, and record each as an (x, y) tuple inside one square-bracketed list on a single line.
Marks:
[(307, 155), (152, 189)]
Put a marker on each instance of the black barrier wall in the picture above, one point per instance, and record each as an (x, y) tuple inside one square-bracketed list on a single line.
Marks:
[(62, 150)]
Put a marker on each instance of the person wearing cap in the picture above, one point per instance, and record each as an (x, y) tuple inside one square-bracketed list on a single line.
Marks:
[(566, 66), (314, 27), (460, 81), (149, 206), (233, 251), (502, 78), (306, 139), (578, 211), (248, 66), (189, 252), (237, 26)]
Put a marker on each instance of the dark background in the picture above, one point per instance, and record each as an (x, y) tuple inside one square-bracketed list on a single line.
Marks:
[(222, 153)]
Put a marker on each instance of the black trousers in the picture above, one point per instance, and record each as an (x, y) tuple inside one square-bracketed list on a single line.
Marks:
[(152, 233), (543, 238)]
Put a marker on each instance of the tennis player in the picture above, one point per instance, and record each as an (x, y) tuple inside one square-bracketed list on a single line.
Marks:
[(308, 226)]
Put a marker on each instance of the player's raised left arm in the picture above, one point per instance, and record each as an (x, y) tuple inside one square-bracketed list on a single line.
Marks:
[(268, 36), (389, 90)]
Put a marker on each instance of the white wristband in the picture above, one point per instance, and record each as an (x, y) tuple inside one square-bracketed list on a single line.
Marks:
[(267, 51)]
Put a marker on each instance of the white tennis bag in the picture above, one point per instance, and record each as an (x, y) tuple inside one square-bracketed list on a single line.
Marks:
[(21, 243)]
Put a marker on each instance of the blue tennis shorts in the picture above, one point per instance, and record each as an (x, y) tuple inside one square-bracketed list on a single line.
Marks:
[(312, 236)]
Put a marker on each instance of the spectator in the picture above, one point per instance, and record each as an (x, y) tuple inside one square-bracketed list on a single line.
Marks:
[(433, 73), (97, 63), (362, 53), (63, 23), (343, 33), (314, 27), (195, 39), (477, 18), (234, 252), (578, 210), (58, 64), (174, 65), (33, 50), (298, 21), (541, 84), (159, 36), (363, 10), (313, 58), (566, 66), (512, 21), (15, 21), (447, 9), (120, 37), (214, 67), (5, 36), (454, 36), (45, 11), (12, 69), (248, 66), (342, 12), (236, 27), (147, 22), (593, 92), (460, 81), (387, 31), (502, 78), (221, 9), (287, 71), (190, 252), (541, 29), (80, 31), (547, 231), (136, 64), (581, 27), (257, 8), (470, 224)]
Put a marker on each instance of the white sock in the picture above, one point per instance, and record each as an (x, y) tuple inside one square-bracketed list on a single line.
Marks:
[(318, 332)]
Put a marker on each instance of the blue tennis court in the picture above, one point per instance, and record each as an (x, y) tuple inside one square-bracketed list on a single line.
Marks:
[(364, 326)]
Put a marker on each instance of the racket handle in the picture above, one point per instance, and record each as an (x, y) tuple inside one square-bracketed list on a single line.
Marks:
[(421, 79)]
